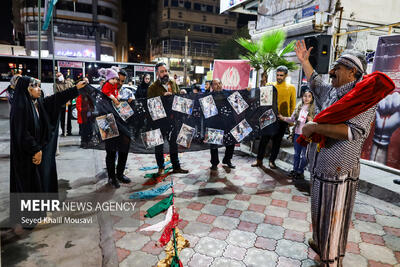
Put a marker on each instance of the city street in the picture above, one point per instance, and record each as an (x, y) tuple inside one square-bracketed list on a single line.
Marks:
[(242, 217)]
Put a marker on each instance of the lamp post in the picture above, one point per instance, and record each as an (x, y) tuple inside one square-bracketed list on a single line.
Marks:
[(185, 59)]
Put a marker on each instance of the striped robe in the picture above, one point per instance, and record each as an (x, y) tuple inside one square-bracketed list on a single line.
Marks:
[(334, 176)]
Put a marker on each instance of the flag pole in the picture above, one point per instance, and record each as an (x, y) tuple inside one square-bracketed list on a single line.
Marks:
[(39, 40), (54, 60)]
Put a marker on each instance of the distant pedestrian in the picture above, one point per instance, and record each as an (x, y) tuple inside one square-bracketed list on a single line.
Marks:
[(62, 85), (141, 91), (303, 113)]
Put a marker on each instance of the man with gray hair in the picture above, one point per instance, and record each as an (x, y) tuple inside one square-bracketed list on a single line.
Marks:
[(338, 133)]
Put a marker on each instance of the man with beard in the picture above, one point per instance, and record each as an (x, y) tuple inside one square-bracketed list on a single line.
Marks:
[(161, 88), (337, 135), (286, 106)]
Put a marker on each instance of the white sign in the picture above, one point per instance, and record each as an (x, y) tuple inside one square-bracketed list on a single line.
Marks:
[(70, 49), (228, 4), (199, 70)]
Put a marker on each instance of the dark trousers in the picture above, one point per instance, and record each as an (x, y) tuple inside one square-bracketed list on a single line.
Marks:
[(214, 154), (173, 152), (110, 163), (276, 143), (69, 117), (86, 131), (300, 160)]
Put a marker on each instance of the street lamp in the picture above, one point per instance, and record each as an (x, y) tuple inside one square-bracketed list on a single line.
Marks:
[(185, 59)]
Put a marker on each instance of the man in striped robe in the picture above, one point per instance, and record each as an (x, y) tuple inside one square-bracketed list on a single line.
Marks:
[(335, 168)]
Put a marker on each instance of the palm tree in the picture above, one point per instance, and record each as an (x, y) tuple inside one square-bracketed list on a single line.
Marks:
[(267, 53)]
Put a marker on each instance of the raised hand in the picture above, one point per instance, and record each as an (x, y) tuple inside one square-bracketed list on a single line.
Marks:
[(301, 51)]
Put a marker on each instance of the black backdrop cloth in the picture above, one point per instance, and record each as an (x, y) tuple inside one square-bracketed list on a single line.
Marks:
[(225, 120)]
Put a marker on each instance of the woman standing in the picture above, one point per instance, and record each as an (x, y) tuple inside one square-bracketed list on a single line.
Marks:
[(33, 122), (141, 91)]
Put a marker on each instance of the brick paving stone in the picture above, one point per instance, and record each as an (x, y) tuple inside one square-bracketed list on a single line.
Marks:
[(199, 260), (365, 217), (368, 227), (223, 262), (252, 216), (397, 255), (260, 200), (365, 209), (151, 248), (192, 239), (298, 206), (286, 262), (210, 247), (219, 201), (392, 242), (257, 207), (251, 185), (186, 195), (295, 224), (312, 254), (273, 220), (298, 214), (381, 212), (219, 233), (372, 239), (188, 214), (216, 210), (182, 224), (117, 235), (225, 222), (265, 243), (354, 260), (264, 193), (276, 211), (294, 235), (372, 263), (241, 239), (122, 254), (198, 229), (259, 257), (354, 236), (279, 203), (391, 221), (392, 231), (308, 263), (195, 206), (377, 253), (294, 250), (139, 259), (243, 197), (235, 252), (186, 254), (247, 226), (206, 218), (232, 213), (284, 190), (269, 231), (300, 199), (352, 247), (281, 196), (127, 241), (237, 205)]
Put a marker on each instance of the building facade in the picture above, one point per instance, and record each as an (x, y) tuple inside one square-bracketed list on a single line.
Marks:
[(87, 29), (200, 21)]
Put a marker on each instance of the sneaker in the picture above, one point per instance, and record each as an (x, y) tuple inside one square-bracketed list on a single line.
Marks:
[(272, 165)]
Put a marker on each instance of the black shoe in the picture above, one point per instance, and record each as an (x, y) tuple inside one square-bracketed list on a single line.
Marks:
[(62, 134), (396, 181), (229, 164), (180, 170), (214, 167), (123, 179), (114, 183), (313, 245), (272, 165), (84, 145), (69, 134), (298, 176), (292, 174)]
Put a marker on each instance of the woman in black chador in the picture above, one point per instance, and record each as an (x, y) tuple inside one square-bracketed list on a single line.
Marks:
[(33, 133)]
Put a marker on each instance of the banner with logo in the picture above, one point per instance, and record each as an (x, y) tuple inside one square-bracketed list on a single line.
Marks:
[(383, 143), (234, 74)]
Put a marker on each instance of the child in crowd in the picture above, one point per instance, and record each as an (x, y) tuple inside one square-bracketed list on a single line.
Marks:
[(110, 87), (303, 113)]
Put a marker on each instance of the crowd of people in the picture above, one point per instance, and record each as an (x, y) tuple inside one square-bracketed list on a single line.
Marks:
[(333, 160)]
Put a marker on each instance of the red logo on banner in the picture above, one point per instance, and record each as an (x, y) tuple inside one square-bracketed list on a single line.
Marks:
[(234, 74)]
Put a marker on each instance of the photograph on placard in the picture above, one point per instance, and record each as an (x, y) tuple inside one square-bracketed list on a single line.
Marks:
[(107, 126), (152, 138), (267, 118), (303, 116), (266, 95), (241, 130), (124, 110), (208, 106), (237, 102), (156, 108), (185, 135), (214, 136), (183, 105)]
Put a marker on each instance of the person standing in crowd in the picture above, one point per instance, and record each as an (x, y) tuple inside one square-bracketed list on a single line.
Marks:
[(335, 166), (304, 112), (33, 121), (120, 143), (207, 86), (85, 108), (62, 85), (160, 88), (286, 106), (11, 88), (141, 91), (216, 89)]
